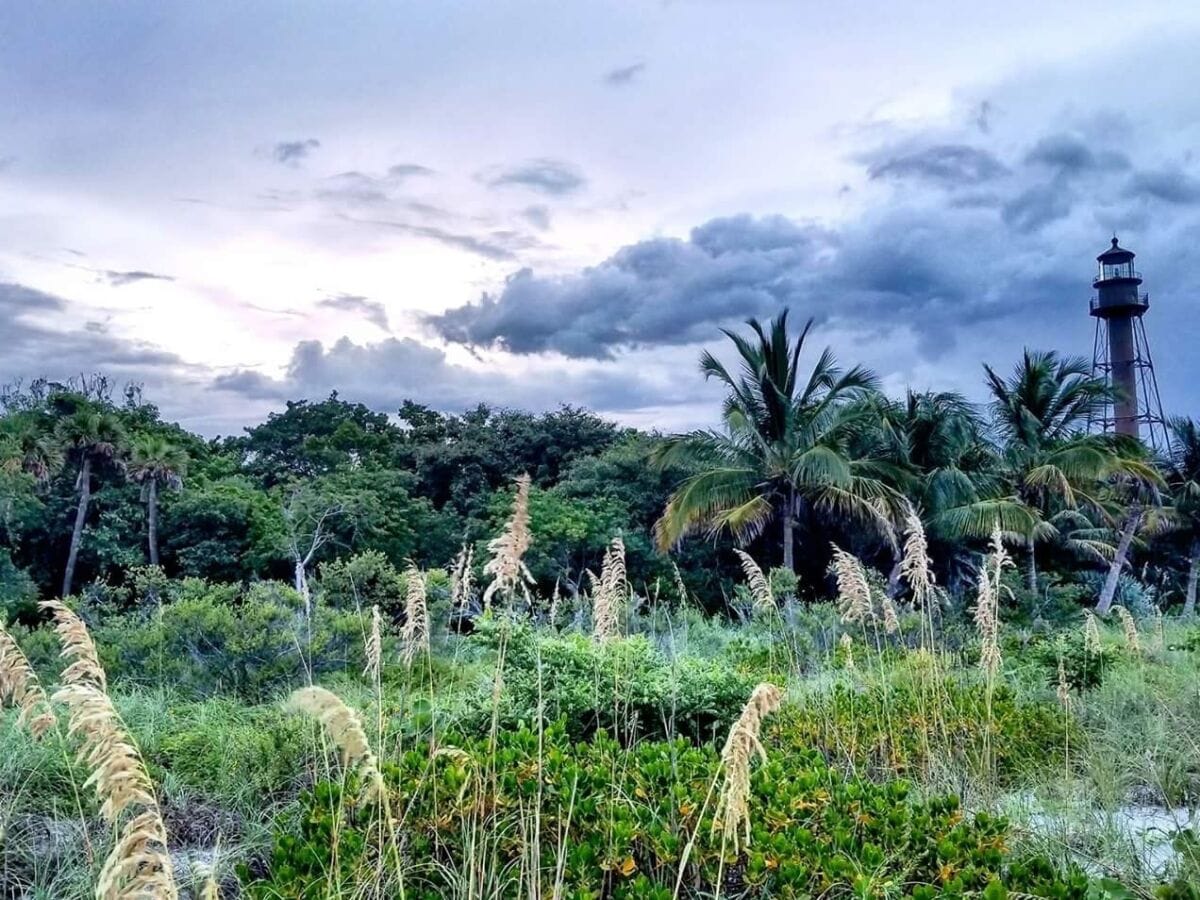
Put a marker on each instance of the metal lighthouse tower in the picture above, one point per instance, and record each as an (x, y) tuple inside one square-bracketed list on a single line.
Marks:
[(1120, 351)]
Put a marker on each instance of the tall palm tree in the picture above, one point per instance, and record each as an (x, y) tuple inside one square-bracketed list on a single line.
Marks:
[(1183, 480), (155, 461), (784, 451), (1136, 496), (89, 436), (1046, 461)]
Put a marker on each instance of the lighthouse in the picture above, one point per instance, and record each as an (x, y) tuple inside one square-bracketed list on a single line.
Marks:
[(1121, 353)]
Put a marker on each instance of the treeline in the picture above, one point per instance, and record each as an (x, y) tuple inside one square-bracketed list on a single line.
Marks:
[(94, 483)]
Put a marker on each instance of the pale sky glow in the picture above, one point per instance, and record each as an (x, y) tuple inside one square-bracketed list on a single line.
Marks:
[(191, 195)]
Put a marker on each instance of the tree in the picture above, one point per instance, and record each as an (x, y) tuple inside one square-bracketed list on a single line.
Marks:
[(784, 453), (1183, 480), (1047, 463), (90, 435), (153, 462)]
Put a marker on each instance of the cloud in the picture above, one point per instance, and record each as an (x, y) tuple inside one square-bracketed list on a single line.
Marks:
[(545, 176), (623, 75), (1171, 185), (7, 162), (538, 216), (371, 310), (951, 165), (120, 279), (292, 153), (498, 245), (359, 188), (423, 373), (1070, 154)]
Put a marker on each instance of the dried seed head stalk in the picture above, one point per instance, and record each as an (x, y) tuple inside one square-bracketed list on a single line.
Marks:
[(460, 578), (998, 558), (854, 591), (609, 593), (760, 588), (915, 565), (506, 567), (743, 744), (76, 645), (139, 864), (891, 622), (416, 613), (1064, 689), (1130, 628), (1091, 633), (680, 587), (555, 600), (374, 647), (987, 622), (1160, 633), (847, 644), (344, 728), (19, 685)]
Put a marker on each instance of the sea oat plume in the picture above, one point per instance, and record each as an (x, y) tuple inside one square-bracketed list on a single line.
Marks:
[(915, 565), (610, 592), (416, 612), (555, 600), (891, 622), (374, 647), (19, 685), (1091, 633), (854, 591), (847, 645), (344, 728), (76, 645), (743, 744), (988, 624), (760, 588), (1130, 628), (1063, 691), (507, 567)]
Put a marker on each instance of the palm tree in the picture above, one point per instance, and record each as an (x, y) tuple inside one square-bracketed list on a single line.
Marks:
[(1047, 463), (155, 461), (29, 447), (89, 436), (1183, 480), (784, 452), (1136, 493)]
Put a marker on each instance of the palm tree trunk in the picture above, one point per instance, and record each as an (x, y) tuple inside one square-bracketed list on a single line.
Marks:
[(85, 496), (789, 556), (1031, 564), (1189, 603), (1109, 591), (152, 519)]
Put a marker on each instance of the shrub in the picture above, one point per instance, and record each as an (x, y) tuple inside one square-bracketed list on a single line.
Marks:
[(626, 686), (202, 644), (362, 581), (615, 823)]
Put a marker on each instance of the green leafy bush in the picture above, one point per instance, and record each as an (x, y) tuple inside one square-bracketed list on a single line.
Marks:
[(615, 823), (627, 687)]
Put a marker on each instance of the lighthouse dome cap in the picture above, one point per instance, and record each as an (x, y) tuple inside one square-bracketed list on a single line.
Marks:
[(1115, 254)]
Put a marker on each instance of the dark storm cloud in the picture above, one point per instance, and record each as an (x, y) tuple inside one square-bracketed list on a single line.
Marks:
[(33, 348), (936, 264), (1171, 185), (1070, 154), (292, 153), (120, 279), (415, 370), (546, 176), (624, 74), (371, 310), (949, 164)]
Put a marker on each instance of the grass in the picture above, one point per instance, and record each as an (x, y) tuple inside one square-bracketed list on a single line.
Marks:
[(447, 731)]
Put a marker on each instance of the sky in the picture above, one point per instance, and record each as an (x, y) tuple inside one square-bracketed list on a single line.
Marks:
[(530, 204)]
